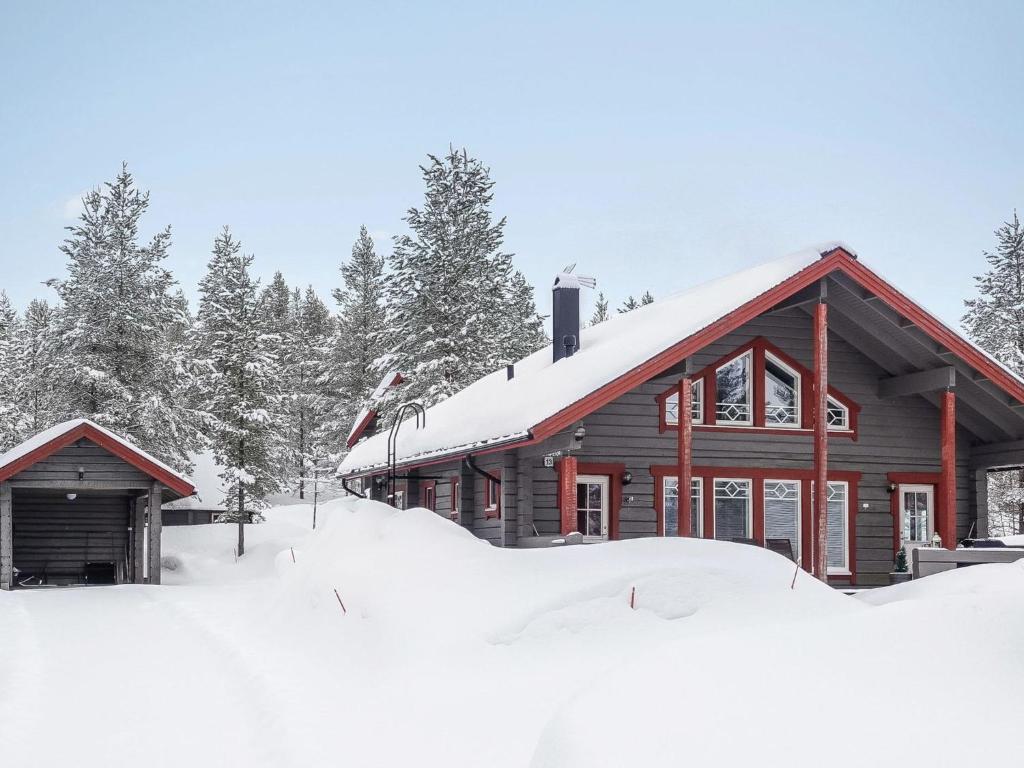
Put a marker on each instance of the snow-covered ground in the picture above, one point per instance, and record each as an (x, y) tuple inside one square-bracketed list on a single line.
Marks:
[(450, 652)]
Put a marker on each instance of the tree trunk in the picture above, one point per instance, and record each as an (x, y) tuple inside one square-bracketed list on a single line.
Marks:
[(241, 519), (302, 455)]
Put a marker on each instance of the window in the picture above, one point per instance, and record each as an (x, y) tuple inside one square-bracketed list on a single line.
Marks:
[(838, 415), (670, 504), (456, 498), (732, 383), (732, 509), (492, 497), (782, 512), (838, 526), (429, 495), (592, 506), (781, 394), (398, 500), (696, 410)]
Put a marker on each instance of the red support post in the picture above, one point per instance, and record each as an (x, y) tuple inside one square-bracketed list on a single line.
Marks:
[(685, 454), (820, 514), (947, 526), (567, 494)]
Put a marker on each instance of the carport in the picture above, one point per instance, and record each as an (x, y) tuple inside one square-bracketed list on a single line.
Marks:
[(81, 505)]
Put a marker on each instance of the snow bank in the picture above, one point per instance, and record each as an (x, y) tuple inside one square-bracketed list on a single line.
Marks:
[(414, 571), (924, 678)]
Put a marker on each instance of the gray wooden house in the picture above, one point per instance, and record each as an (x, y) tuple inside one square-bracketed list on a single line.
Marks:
[(80, 505), (741, 397)]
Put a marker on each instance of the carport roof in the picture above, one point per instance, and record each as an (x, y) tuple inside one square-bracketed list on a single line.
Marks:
[(51, 440)]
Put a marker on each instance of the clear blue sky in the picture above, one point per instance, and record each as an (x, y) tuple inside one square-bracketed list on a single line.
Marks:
[(654, 144)]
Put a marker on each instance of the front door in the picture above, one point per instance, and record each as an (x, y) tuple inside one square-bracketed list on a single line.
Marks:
[(917, 516), (592, 506)]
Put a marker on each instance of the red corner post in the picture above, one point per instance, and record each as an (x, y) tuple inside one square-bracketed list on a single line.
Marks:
[(685, 454), (820, 514), (947, 526), (567, 494)]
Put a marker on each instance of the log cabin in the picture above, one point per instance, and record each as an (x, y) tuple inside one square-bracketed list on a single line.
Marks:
[(718, 412)]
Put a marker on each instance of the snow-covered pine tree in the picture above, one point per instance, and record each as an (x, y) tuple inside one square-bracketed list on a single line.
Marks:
[(995, 321), (647, 298), (359, 340), (452, 288), (11, 417), (522, 328), (311, 400), (600, 309), (628, 305), (41, 403), (116, 314), (277, 316), (240, 382)]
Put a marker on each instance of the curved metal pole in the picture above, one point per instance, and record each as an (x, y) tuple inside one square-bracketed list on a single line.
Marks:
[(396, 423)]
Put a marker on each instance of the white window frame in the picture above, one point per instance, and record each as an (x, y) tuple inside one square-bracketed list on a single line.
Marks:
[(455, 506), (798, 379), (750, 503), (749, 354), (832, 403), (697, 411), (845, 569), (699, 533), (492, 492), (929, 491), (606, 505), (799, 512)]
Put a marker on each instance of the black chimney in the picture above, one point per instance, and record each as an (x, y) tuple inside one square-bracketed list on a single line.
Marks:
[(565, 316)]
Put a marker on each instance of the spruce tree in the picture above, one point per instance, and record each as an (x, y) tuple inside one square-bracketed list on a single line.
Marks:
[(310, 396), (239, 379), (600, 310), (11, 417), (452, 288), (647, 298), (995, 321), (41, 403), (116, 315), (277, 317), (359, 338), (628, 305)]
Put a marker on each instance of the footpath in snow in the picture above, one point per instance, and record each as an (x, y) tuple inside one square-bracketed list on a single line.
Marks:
[(450, 652)]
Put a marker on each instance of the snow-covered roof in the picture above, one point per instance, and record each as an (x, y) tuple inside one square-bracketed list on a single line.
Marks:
[(55, 432), (497, 410), (392, 378)]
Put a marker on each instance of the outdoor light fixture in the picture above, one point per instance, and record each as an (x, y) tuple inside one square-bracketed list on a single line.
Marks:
[(627, 477), (72, 496), (936, 540), (81, 473), (579, 434), (891, 488)]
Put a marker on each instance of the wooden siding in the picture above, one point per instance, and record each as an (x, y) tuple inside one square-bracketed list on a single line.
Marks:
[(55, 537), (897, 435), (98, 465)]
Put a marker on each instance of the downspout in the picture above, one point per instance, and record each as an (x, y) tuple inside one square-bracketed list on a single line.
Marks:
[(482, 473), (353, 491)]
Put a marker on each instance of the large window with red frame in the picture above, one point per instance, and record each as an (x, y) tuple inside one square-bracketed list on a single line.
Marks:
[(757, 386)]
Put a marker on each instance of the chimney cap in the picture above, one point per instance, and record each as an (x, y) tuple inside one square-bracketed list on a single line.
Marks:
[(567, 279)]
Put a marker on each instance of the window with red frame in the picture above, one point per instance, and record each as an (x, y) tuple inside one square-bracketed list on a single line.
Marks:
[(492, 497), (429, 495), (757, 386)]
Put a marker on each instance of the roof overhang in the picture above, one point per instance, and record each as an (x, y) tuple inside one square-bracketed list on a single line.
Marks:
[(124, 452)]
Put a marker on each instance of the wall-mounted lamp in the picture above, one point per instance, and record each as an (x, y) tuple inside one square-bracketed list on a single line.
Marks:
[(72, 496), (579, 434), (891, 487), (81, 473), (627, 477)]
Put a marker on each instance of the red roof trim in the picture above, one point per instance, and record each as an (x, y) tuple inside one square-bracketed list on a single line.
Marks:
[(116, 447), (358, 431), (371, 414)]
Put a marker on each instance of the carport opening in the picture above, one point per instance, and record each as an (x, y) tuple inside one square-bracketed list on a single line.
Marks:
[(71, 539)]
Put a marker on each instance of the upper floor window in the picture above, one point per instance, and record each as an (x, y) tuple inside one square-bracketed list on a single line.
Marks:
[(733, 385), (758, 386), (696, 408), (838, 415), (781, 393)]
